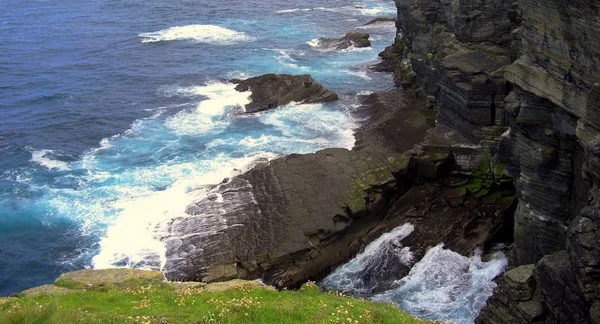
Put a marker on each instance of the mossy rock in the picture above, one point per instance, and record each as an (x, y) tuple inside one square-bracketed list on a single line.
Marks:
[(456, 182), (236, 284), (455, 193), (100, 278), (45, 290)]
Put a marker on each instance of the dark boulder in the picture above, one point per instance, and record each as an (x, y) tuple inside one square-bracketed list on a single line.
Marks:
[(352, 39), (378, 21), (273, 90)]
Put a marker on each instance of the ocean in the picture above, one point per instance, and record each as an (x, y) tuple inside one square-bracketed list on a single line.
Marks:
[(113, 112)]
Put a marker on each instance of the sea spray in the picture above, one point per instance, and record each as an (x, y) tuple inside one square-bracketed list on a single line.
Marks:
[(381, 260), (199, 33), (447, 286), (443, 285)]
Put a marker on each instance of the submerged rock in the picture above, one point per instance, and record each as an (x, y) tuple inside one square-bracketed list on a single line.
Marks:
[(352, 39), (270, 91)]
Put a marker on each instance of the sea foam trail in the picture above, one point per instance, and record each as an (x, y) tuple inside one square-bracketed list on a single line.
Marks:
[(139, 219), (317, 45), (443, 285), (200, 33), (44, 158), (352, 10), (210, 114)]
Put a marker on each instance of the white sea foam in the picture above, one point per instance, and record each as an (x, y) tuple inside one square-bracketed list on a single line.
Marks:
[(210, 114), (447, 286), (285, 58), (199, 33), (443, 285), (293, 10), (361, 74), (378, 256), (313, 122), (316, 45), (250, 141), (139, 216), (44, 158)]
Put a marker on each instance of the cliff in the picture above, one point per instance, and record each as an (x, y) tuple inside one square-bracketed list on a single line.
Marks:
[(519, 80)]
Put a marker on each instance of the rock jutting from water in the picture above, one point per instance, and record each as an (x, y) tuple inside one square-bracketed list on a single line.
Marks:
[(270, 91), (350, 40)]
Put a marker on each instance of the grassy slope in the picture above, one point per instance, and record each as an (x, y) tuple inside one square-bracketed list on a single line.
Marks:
[(151, 302)]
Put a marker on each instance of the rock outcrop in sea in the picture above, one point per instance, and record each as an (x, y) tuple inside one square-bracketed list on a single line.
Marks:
[(350, 40), (270, 91)]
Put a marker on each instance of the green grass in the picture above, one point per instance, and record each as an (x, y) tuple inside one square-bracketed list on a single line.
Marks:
[(145, 302)]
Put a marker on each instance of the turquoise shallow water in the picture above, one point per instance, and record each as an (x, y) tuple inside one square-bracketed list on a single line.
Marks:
[(113, 112)]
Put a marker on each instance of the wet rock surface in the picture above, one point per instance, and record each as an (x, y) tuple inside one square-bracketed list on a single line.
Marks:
[(350, 40), (285, 221), (396, 121), (270, 91)]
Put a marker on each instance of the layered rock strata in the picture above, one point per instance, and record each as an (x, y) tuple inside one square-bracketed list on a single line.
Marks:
[(520, 80)]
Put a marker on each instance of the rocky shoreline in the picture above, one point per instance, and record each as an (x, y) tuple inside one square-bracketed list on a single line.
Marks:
[(493, 136), (513, 104), (298, 217)]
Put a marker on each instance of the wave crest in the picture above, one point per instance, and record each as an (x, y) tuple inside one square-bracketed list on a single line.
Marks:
[(44, 158), (210, 34)]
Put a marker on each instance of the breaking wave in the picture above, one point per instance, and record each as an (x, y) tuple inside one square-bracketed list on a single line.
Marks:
[(199, 33), (443, 285)]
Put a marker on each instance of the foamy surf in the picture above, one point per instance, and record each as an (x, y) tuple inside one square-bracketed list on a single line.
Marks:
[(317, 45), (138, 222), (44, 158), (447, 286), (443, 285), (313, 122), (210, 114), (286, 58), (293, 10), (378, 255), (210, 34), (352, 10)]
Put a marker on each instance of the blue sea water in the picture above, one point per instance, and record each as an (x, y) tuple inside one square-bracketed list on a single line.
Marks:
[(112, 113)]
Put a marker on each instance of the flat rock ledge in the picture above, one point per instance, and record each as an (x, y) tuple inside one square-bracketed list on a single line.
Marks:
[(296, 218), (287, 221), (270, 91)]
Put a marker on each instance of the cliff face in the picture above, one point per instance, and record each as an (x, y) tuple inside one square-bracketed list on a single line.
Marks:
[(520, 80)]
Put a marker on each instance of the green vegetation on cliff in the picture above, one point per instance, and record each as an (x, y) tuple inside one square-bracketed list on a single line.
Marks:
[(84, 298)]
